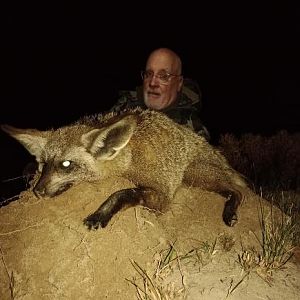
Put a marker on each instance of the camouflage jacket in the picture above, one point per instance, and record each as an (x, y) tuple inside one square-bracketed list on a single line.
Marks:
[(185, 111)]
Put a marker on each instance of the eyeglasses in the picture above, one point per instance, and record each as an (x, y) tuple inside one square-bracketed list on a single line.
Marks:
[(163, 77)]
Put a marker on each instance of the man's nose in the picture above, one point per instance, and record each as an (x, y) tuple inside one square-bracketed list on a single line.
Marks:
[(154, 81)]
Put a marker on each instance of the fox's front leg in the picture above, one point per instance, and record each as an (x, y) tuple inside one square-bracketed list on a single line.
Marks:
[(117, 201)]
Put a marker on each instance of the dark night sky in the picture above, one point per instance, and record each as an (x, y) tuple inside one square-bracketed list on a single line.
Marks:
[(62, 61)]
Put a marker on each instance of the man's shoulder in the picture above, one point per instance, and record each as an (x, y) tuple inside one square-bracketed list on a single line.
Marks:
[(128, 99), (190, 94), (128, 95)]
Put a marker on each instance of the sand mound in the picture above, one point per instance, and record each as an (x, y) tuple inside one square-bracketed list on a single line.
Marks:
[(47, 252)]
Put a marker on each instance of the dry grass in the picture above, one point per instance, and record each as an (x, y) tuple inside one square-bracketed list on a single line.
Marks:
[(227, 242), (152, 285), (276, 245)]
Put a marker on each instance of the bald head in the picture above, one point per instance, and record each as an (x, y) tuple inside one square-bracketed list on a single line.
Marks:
[(163, 81), (168, 58)]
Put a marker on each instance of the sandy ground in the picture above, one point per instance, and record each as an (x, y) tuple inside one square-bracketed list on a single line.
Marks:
[(187, 253)]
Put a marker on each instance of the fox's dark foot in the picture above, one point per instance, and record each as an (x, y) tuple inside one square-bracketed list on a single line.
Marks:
[(230, 220), (96, 220), (229, 215)]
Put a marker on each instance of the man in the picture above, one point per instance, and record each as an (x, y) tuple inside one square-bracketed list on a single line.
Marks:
[(164, 89)]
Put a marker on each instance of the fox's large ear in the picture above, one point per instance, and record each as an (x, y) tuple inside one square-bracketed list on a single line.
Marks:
[(32, 139), (105, 143)]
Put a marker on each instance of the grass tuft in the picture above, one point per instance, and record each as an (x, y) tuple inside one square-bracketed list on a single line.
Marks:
[(276, 244)]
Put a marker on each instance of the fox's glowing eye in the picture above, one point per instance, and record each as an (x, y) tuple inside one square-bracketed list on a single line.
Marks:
[(66, 163)]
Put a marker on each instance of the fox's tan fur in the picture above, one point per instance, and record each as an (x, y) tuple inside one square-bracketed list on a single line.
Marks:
[(146, 147)]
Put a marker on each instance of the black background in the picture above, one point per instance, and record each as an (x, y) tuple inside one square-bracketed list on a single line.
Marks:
[(60, 61)]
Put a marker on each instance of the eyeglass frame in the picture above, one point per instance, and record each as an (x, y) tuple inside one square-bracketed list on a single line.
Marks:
[(159, 76)]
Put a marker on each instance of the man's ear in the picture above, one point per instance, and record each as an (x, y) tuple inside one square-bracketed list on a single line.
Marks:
[(180, 84), (33, 140), (105, 143)]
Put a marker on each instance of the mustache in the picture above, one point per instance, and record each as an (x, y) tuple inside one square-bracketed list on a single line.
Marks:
[(151, 92)]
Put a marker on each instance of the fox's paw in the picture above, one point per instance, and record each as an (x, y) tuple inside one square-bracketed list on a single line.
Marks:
[(230, 213), (230, 219), (96, 220), (229, 216)]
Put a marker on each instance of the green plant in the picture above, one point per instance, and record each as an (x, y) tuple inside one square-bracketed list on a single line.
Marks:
[(276, 244)]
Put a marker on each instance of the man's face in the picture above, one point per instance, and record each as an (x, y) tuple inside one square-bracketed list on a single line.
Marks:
[(160, 86)]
